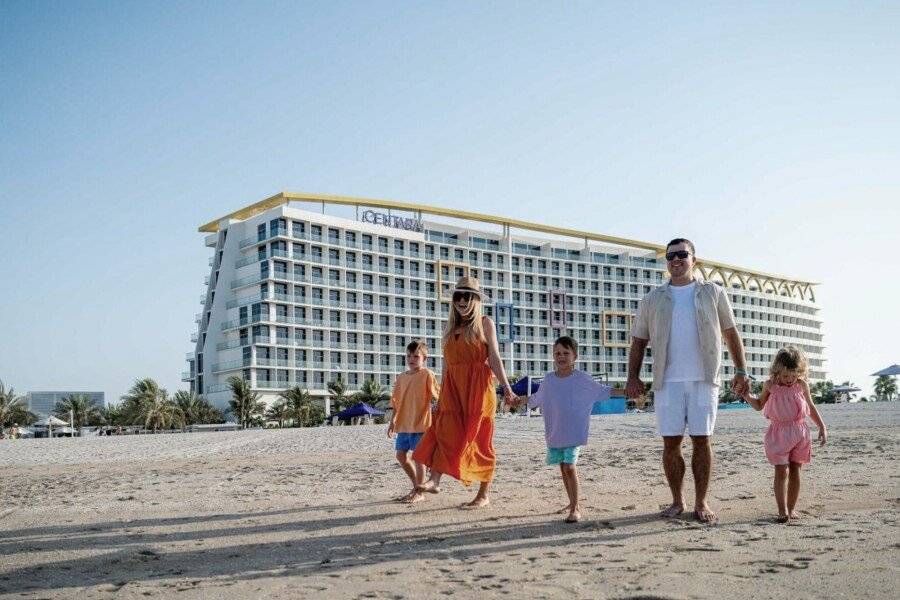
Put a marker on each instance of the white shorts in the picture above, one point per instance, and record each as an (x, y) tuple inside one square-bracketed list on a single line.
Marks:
[(691, 403)]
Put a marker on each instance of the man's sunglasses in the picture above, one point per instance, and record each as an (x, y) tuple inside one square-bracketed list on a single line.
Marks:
[(457, 296), (682, 254)]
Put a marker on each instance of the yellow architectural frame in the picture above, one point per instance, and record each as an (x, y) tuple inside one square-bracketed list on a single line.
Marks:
[(793, 288)]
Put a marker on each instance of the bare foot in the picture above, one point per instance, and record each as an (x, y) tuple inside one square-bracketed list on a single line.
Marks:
[(705, 515), (574, 516), (794, 515), (673, 510), (405, 497), (414, 497), (476, 504), (565, 509), (781, 519), (429, 486)]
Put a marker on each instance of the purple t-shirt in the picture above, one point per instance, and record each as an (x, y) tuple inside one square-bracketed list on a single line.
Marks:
[(566, 403)]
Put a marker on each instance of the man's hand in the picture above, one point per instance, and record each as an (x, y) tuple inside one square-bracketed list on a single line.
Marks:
[(390, 432), (634, 388)]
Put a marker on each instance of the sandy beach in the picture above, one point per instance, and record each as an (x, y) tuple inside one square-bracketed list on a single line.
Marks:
[(303, 513)]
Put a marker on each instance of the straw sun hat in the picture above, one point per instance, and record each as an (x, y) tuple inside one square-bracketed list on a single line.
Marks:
[(469, 285)]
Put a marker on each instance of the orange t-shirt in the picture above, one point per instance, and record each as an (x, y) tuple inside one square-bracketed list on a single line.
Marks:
[(411, 400)]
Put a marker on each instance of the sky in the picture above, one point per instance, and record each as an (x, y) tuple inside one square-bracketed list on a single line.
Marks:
[(766, 132)]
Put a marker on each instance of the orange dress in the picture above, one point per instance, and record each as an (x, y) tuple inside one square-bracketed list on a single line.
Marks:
[(460, 441)]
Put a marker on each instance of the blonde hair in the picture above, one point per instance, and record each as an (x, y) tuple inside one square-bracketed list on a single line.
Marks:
[(472, 327), (789, 358)]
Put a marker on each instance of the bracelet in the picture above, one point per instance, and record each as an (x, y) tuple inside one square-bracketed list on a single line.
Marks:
[(741, 372)]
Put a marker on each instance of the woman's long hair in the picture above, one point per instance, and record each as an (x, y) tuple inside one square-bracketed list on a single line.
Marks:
[(469, 321)]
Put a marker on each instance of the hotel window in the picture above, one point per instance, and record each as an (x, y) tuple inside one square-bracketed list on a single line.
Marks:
[(350, 237), (382, 244), (316, 232), (398, 246)]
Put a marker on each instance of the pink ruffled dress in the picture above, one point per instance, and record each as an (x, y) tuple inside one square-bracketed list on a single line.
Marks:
[(787, 438)]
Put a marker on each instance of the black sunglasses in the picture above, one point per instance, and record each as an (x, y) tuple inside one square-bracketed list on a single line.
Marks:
[(682, 254), (457, 296)]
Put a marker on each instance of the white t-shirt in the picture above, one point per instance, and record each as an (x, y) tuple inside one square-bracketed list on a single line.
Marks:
[(683, 359)]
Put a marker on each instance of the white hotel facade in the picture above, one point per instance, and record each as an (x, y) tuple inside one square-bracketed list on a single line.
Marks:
[(297, 297)]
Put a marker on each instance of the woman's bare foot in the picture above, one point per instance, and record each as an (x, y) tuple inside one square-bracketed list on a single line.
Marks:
[(781, 519), (477, 503), (794, 515), (405, 496), (673, 510), (429, 487), (414, 497), (574, 516), (565, 509)]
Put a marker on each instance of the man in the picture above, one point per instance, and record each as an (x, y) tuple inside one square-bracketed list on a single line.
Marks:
[(684, 321)]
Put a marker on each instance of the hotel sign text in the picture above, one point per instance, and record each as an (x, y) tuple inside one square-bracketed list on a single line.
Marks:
[(379, 218)]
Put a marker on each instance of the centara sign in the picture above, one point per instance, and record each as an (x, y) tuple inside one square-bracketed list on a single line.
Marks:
[(379, 218)]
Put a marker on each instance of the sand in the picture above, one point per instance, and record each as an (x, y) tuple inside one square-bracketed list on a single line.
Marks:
[(308, 513)]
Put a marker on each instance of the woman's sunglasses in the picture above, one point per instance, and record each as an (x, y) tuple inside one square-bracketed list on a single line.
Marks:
[(682, 254), (457, 296)]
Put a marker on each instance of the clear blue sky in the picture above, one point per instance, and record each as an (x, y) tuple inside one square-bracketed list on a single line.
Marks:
[(769, 133)]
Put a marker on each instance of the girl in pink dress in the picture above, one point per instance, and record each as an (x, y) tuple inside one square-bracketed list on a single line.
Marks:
[(785, 400)]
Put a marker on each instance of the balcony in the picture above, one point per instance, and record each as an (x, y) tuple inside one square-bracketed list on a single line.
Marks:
[(187, 376), (194, 337)]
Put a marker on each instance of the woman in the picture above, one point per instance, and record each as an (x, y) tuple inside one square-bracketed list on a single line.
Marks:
[(459, 442)]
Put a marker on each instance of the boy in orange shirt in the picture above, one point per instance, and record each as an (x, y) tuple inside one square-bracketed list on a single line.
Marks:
[(411, 401)]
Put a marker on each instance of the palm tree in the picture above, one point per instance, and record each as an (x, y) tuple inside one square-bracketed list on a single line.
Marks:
[(303, 410), (279, 411), (12, 408), (161, 412), (823, 392), (245, 403), (112, 414), (83, 410), (192, 407), (885, 387), (337, 392), (144, 392), (372, 394)]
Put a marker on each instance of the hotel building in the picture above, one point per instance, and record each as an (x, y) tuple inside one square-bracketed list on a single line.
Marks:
[(298, 296)]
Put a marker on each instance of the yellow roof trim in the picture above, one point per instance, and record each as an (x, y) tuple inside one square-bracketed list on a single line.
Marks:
[(286, 197)]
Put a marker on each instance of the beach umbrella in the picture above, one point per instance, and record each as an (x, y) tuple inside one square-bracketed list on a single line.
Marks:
[(891, 370)]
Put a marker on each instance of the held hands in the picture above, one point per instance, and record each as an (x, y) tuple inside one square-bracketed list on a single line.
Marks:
[(740, 385), (509, 396), (390, 431), (823, 436), (634, 388)]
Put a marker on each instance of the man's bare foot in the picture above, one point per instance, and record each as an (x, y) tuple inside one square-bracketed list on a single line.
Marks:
[(476, 504), (574, 516), (429, 487), (673, 510), (565, 509), (414, 497), (705, 515)]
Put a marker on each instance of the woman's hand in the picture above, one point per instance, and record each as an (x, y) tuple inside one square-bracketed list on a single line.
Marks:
[(509, 396), (823, 436)]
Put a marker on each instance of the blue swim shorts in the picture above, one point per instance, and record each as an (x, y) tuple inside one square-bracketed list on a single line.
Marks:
[(567, 455), (407, 441)]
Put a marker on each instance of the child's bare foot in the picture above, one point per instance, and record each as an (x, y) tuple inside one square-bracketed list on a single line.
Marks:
[(673, 510), (414, 497), (429, 487), (476, 504), (565, 509), (574, 516)]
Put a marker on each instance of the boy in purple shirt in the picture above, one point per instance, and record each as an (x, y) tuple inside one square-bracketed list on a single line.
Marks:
[(566, 397)]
